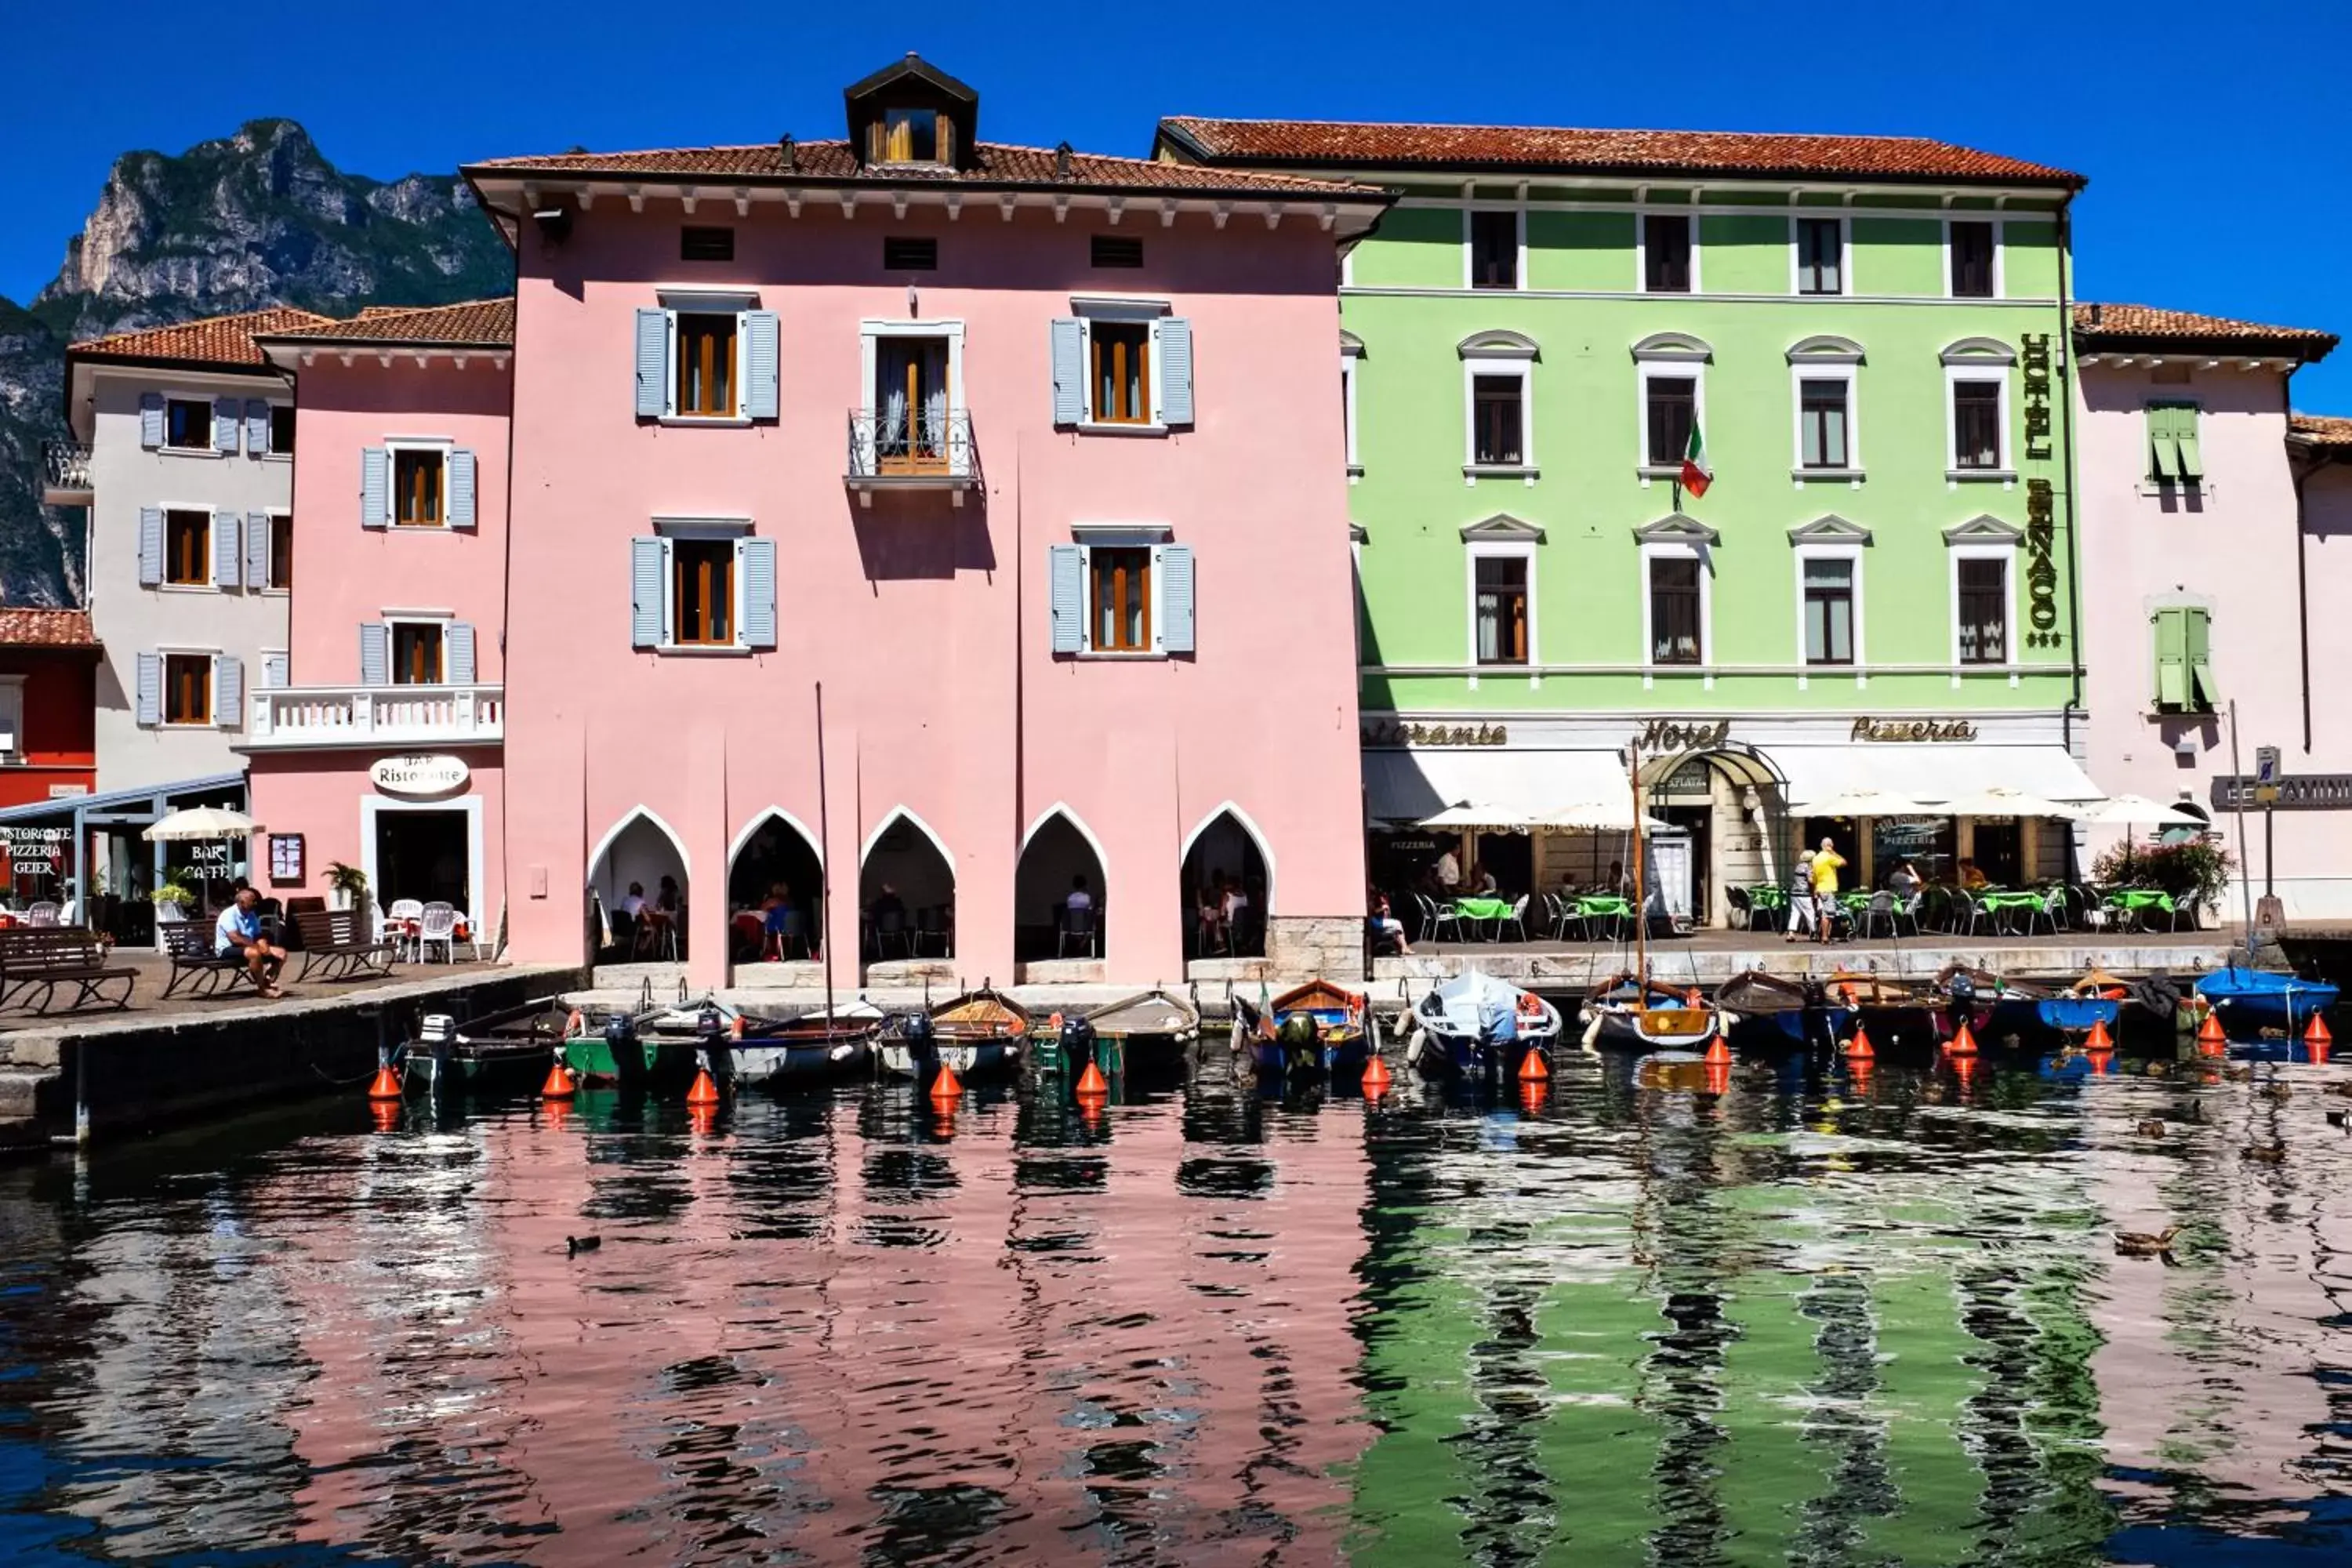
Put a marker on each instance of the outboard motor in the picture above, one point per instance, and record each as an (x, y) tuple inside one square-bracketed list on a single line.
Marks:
[(1963, 990), (436, 1033), (1301, 1039), (921, 1040), (1816, 1013), (1077, 1043), (628, 1055), (710, 1038)]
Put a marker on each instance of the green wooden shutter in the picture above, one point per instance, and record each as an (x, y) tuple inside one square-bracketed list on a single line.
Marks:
[(2171, 660), (2184, 442), (2164, 454), (2197, 653)]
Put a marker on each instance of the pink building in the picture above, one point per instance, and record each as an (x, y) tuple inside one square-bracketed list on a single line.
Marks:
[(1029, 460), (2216, 560), (375, 734)]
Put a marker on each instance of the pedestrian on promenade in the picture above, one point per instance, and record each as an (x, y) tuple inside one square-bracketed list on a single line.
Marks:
[(238, 931)]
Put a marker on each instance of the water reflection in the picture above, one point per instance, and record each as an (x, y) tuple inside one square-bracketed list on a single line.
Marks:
[(1780, 1317)]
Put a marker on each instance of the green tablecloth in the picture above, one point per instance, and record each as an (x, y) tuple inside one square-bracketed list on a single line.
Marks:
[(1483, 908), (2138, 898), (1603, 905)]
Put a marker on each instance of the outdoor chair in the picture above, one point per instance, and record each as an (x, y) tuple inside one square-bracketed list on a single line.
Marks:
[(2053, 909), (400, 924), (1517, 917), (1426, 911), (1443, 913), (1878, 913), (1077, 926), (41, 914), (1556, 916), (890, 926), (1743, 913), (1907, 909), (931, 933), (436, 927)]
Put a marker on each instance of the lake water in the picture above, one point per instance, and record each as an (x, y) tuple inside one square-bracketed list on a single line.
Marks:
[(1800, 1320)]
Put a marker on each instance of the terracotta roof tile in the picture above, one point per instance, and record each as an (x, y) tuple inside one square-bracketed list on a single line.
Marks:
[(21, 627), (215, 339), (2329, 430), (1340, 144), (994, 164), (474, 322), (2116, 326)]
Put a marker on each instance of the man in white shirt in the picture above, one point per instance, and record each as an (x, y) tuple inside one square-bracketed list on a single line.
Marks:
[(238, 931), (1079, 898), (1449, 871), (634, 906)]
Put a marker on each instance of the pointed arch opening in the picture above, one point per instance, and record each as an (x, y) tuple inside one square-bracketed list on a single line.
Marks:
[(1058, 890), (775, 890), (637, 874), (906, 891), (1228, 886)]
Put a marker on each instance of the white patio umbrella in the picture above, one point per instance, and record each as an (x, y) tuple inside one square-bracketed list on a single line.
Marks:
[(199, 823), (1999, 801), (1861, 802), (2136, 811)]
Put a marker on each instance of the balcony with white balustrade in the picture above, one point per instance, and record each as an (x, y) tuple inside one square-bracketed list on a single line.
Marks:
[(299, 717)]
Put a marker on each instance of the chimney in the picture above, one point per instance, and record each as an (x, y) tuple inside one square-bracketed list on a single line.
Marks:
[(1061, 162), (2096, 308), (785, 154)]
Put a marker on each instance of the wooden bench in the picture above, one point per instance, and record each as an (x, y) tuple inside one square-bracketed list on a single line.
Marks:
[(340, 942), (196, 965), (43, 958)]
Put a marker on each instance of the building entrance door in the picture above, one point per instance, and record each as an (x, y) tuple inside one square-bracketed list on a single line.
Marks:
[(422, 855)]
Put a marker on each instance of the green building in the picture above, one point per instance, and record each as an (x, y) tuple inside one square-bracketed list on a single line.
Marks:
[(1874, 591)]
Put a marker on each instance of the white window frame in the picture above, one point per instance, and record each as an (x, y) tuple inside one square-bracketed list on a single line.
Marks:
[(285, 514), (393, 446), (1502, 364), (1797, 251), (705, 300), (1680, 550), (1092, 536), (1675, 365), (164, 584), (1470, 252), (1999, 253), (274, 454), (1092, 307), (1642, 217), (212, 428), (1850, 553), (392, 619), (1955, 373), (670, 529), (164, 654), (2005, 552), (871, 330), (1501, 550), (1824, 368), (12, 717), (1350, 354)]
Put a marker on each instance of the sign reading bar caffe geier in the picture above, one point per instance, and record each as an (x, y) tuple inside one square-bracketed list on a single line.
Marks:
[(424, 775)]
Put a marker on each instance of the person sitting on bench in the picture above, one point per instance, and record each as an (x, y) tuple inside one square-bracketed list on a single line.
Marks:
[(238, 931)]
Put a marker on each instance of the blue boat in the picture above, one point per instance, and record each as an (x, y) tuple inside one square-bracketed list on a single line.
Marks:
[(2251, 999), (1771, 1012), (1315, 1027)]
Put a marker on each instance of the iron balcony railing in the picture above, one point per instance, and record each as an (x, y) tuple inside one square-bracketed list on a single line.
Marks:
[(291, 717), (924, 452), (65, 465)]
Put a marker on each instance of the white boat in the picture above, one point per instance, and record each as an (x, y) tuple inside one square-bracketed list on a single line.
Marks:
[(1475, 1026)]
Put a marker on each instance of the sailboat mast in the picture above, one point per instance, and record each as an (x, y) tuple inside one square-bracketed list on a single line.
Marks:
[(1641, 891), (824, 861)]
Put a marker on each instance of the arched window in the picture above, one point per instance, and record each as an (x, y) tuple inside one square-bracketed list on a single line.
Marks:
[(638, 875), (1059, 889), (906, 891), (1228, 887), (775, 890)]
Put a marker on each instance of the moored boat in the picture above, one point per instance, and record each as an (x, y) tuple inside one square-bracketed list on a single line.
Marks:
[(1315, 1027), (2251, 1000), (1769, 1009), (503, 1052), (815, 1047), (1476, 1026), (1152, 1029), (978, 1033), (1631, 1013)]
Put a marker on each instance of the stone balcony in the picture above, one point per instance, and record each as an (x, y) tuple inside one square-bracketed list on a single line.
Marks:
[(294, 717), (65, 473)]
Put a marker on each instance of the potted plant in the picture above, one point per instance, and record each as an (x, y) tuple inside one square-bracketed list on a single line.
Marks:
[(346, 885), (2195, 871), (174, 899)]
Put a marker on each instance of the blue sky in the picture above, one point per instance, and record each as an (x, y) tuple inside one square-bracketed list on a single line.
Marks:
[(2210, 131)]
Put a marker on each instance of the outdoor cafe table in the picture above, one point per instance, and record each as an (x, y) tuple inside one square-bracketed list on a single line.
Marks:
[(1996, 904), (1603, 907), (1483, 908), (2133, 902)]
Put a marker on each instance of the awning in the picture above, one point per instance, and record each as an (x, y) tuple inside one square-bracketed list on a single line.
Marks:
[(1932, 774), (1498, 789)]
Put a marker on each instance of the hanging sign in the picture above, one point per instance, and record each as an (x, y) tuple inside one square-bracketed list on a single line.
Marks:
[(424, 775)]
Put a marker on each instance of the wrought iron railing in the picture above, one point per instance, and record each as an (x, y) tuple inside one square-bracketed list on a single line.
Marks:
[(926, 448), (65, 465), (294, 716)]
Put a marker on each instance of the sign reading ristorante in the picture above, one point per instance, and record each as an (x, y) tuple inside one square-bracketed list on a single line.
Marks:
[(1390, 732)]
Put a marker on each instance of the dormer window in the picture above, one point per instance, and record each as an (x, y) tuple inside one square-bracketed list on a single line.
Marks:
[(911, 136)]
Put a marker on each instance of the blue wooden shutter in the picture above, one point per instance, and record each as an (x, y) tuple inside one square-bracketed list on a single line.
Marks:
[(228, 553), (376, 654), (257, 548), (1067, 566), (257, 427), (228, 418), (756, 572), (647, 599), (762, 372), (457, 639), (1069, 370), (151, 419), (1173, 377), (653, 364), (151, 547), (151, 688), (461, 489), (375, 488), (1175, 567), (274, 671), (228, 691)]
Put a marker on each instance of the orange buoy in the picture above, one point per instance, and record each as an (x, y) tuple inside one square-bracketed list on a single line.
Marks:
[(1718, 1054), (705, 1091), (2100, 1039), (1092, 1081), (1718, 1077), (1533, 1092), (2316, 1032), (385, 1114), (559, 1084), (1964, 1068), (1376, 1077), (2212, 1039), (1858, 1048), (1963, 1042), (1533, 1068), (386, 1085), (947, 1087)]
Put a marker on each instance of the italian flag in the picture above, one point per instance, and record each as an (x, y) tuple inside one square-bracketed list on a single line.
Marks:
[(1696, 472)]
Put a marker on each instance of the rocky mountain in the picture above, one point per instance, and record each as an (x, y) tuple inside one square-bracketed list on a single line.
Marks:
[(254, 219)]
